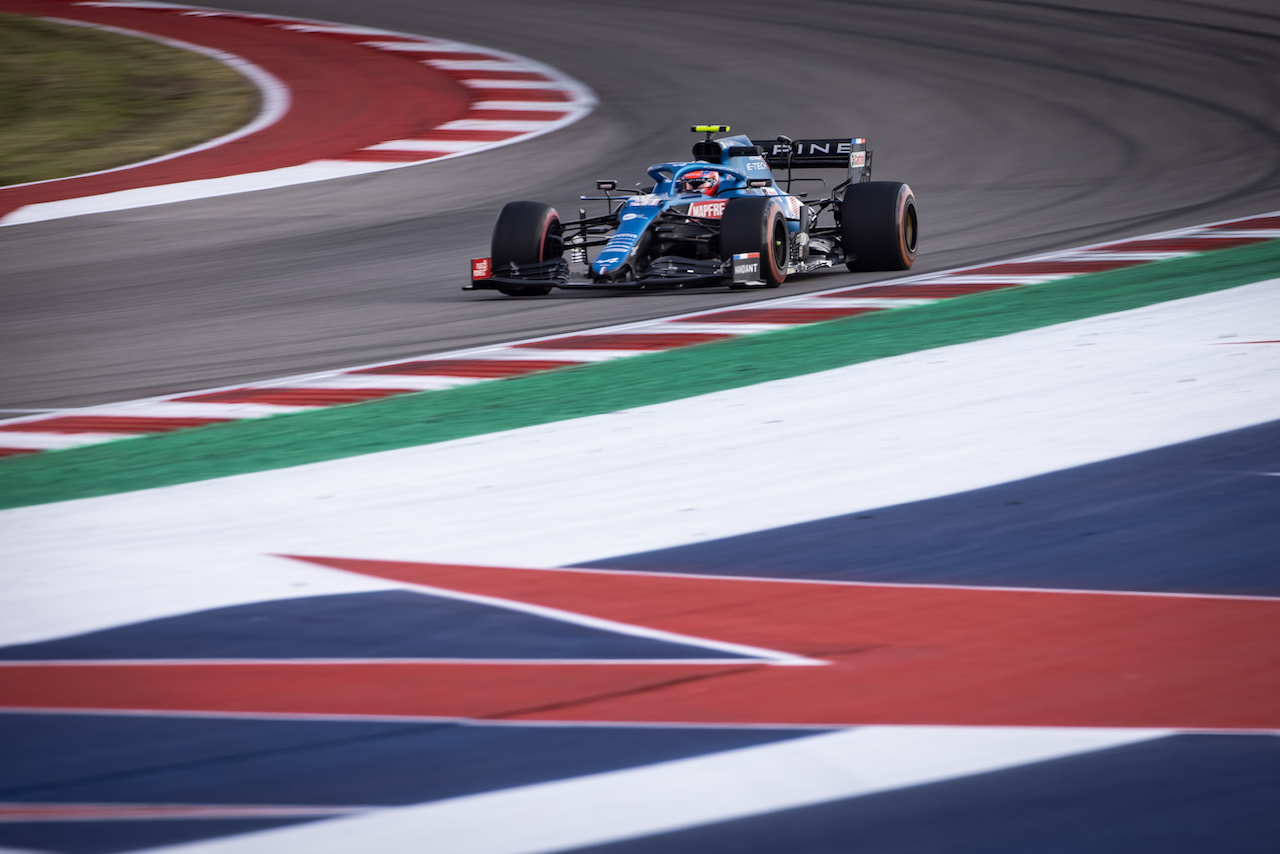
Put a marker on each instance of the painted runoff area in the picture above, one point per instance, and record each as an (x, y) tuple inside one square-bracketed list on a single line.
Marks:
[(638, 802), (176, 571), (929, 423)]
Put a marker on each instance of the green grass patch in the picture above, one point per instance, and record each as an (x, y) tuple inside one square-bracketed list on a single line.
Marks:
[(75, 99), (424, 418)]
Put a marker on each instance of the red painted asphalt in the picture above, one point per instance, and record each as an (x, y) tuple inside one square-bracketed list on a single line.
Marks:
[(898, 655), (344, 96)]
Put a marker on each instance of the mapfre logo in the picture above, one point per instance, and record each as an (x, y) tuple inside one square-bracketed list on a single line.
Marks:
[(708, 210)]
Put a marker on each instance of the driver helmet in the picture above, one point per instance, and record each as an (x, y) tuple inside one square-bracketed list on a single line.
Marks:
[(703, 181)]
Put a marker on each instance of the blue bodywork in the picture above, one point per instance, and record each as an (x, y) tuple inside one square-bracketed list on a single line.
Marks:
[(639, 212)]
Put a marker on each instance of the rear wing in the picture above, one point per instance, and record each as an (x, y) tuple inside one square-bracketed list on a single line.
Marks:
[(783, 153)]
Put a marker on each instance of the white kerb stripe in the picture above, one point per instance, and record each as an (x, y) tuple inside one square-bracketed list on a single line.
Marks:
[(56, 441), (478, 65), (427, 145), (549, 106), (482, 83), (495, 124), (686, 793)]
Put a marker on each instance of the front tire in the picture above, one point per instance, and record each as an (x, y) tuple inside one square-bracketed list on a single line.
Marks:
[(526, 233), (757, 224), (878, 226)]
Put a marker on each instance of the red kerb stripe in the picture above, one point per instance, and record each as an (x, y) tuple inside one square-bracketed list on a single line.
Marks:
[(296, 396), (638, 341), (109, 424), (1258, 222), (13, 452), (1180, 244), (390, 156), (923, 291), (469, 367), (777, 315), (1041, 268)]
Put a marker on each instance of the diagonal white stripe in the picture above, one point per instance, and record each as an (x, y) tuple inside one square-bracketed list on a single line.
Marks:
[(686, 793), (495, 124), (547, 106)]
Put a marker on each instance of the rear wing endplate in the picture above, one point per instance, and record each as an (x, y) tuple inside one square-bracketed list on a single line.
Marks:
[(819, 154)]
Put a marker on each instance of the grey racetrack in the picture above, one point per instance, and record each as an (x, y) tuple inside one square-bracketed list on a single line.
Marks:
[(1022, 127)]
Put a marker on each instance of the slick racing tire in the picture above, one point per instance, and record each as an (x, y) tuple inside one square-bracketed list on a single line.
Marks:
[(878, 226), (526, 233), (757, 224)]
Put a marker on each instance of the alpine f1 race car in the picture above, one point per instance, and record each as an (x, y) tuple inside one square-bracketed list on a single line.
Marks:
[(719, 219)]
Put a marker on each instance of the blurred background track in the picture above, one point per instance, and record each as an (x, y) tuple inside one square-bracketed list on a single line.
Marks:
[(1022, 127)]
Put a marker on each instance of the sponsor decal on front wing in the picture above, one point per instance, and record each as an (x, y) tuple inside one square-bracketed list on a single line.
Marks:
[(481, 268)]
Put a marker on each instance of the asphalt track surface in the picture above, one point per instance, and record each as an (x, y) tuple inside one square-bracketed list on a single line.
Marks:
[(1022, 127)]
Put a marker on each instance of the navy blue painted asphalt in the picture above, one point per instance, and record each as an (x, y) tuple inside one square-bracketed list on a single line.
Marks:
[(176, 760), (1187, 794), (1198, 517), (1203, 516), (387, 624)]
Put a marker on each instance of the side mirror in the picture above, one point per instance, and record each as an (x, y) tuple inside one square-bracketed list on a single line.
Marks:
[(758, 183), (606, 185)]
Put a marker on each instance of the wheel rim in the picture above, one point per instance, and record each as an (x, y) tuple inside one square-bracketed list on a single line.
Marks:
[(909, 229), (778, 244)]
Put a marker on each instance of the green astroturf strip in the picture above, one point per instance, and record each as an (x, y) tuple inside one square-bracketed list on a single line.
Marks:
[(438, 416)]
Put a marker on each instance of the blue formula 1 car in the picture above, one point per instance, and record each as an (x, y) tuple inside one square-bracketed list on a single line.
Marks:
[(719, 219)]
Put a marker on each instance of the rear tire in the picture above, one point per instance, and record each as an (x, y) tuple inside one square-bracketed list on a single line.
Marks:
[(757, 224), (878, 226), (526, 233)]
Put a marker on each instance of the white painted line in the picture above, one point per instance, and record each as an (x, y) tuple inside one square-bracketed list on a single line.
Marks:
[(56, 441), (319, 662), (966, 277), (569, 355), (495, 124), (133, 4), (669, 796), (183, 409), (769, 656), (1104, 255), (854, 301), (731, 328), (478, 65), (417, 47), (501, 352), (481, 83), (428, 145), (400, 382), (337, 29), (1241, 232), (549, 106), (207, 188)]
